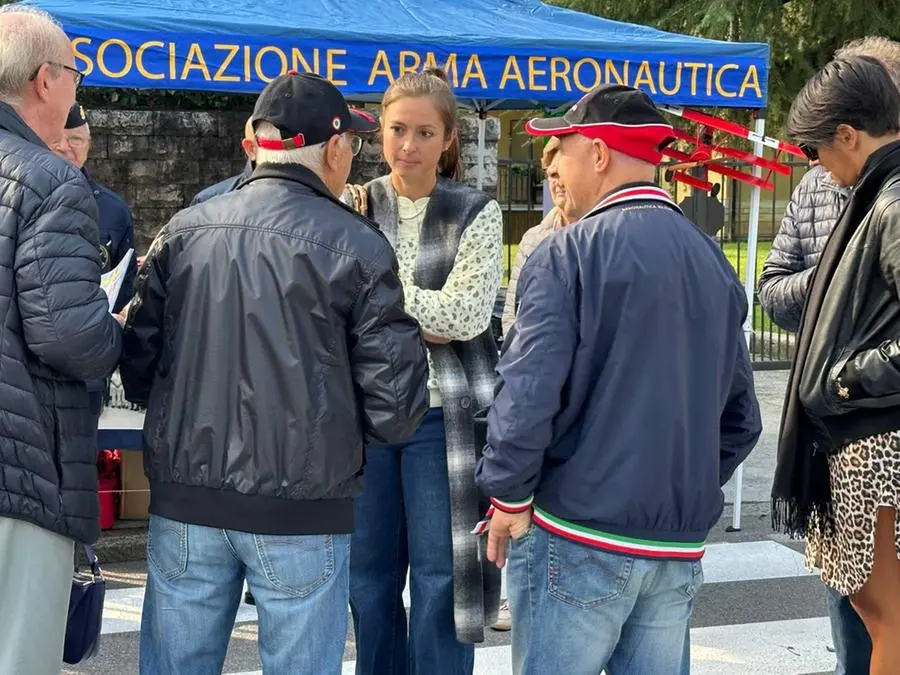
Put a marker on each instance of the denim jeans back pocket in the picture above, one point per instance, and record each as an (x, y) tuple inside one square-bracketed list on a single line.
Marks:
[(583, 576), (167, 546), (696, 579), (296, 565)]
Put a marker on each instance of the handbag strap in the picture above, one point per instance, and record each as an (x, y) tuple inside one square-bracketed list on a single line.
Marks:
[(91, 556)]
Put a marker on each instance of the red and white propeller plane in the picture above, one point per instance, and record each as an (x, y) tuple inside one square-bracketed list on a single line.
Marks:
[(709, 150)]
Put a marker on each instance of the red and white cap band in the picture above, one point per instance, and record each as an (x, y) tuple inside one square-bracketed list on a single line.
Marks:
[(641, 141)]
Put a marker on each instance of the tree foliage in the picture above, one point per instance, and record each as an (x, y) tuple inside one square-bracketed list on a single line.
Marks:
[(802, 34)]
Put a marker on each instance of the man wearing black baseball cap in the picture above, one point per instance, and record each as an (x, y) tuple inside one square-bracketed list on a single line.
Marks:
[(625, 401), (269, 341), (307, 110)]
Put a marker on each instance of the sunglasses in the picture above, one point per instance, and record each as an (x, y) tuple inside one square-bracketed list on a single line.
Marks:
[(812, 153), (79, 76)]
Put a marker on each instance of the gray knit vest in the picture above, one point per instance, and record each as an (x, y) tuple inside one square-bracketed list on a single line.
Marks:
[(465, 376)]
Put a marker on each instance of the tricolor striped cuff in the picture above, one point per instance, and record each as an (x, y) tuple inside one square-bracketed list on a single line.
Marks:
[(512, 507)]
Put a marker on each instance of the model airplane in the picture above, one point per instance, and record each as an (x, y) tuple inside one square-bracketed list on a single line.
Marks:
[(706, 150)]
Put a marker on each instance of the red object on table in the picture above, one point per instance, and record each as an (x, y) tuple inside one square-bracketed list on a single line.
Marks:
[(109, 484), (107, 487)]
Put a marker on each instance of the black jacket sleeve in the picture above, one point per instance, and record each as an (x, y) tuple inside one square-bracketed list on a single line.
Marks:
[(144, 326), (65, 314), (874, 373), (785, 279), (388, 358)]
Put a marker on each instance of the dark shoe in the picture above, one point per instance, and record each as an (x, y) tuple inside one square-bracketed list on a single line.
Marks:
[(248, 598)]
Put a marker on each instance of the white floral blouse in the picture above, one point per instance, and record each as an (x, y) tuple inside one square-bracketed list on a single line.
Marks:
[(462, 309)]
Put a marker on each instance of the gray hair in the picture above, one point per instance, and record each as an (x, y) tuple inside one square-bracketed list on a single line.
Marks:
[(857, 91), (310, 157), (86, 127), (29, 38), (885, 50)]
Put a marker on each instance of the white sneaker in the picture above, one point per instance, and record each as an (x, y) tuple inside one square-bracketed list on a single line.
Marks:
[(504, 620)]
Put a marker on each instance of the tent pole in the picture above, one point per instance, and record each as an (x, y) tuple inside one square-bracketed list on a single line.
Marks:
[(749, 288), (482, 122)]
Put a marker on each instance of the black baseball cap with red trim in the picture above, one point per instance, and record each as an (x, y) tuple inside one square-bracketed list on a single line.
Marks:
[(626, 119), (307, 109)]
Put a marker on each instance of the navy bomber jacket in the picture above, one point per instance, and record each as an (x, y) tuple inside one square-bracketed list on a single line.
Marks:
[(625, 396)]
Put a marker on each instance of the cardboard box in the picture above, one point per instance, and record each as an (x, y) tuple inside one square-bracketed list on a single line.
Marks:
[(135, 501)]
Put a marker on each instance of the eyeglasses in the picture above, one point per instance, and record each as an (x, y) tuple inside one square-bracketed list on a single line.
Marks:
[(812, 153), (355, 144), (79, 76)]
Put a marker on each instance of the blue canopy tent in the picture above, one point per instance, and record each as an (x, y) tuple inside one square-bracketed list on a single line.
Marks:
[(497, 53)]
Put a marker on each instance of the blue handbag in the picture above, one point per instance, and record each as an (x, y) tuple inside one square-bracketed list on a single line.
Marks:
[(85, 612)]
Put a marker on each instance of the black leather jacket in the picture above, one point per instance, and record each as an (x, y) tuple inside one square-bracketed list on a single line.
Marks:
[(851, 381), (269, 341)]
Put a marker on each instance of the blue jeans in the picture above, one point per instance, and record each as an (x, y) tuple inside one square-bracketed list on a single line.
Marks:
[(195, 576), (852, 644), (409, 479), (577, 609)]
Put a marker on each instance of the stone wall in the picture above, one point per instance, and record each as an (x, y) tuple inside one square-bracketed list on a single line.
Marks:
[(158, 160)]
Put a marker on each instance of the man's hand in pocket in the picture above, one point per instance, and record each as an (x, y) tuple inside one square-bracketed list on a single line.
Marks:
[(503, 526)]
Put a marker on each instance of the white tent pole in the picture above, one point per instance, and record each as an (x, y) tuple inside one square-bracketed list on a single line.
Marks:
[(482, 123), (750, 288)]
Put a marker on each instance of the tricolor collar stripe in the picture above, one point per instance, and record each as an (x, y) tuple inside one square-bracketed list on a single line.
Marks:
[(642, 193)]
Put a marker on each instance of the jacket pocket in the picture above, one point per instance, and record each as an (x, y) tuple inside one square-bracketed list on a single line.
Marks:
[(56, 449), (843, 399), (834, 390)]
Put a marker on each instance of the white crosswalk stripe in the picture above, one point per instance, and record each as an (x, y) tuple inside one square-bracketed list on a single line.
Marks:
[(759, 611), (722, 563), (774, 647)]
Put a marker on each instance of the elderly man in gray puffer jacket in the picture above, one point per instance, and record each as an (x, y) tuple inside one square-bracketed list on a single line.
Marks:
[(811, 214)]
